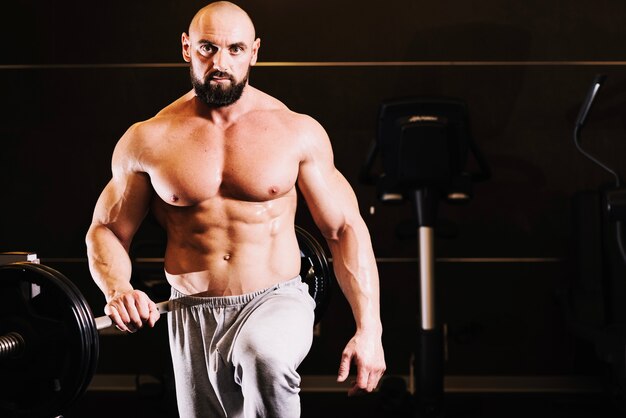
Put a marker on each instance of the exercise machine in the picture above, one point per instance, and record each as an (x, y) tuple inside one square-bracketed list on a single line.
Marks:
[(596, 303), (424, 146)]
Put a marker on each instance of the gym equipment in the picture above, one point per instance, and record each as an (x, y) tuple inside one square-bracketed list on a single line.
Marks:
[(424, 145), (49, 341), (52, 347), (315, 271), (595, 308)]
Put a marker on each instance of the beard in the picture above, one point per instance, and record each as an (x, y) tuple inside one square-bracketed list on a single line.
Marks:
[(218, 95)]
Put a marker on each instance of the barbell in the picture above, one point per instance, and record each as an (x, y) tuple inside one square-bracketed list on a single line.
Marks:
[(49, 342)]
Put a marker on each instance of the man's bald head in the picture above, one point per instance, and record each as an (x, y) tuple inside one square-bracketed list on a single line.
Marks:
[(221, 48), (222, 14)]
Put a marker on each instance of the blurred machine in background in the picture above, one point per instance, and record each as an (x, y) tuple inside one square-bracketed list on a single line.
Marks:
[(424, 145)]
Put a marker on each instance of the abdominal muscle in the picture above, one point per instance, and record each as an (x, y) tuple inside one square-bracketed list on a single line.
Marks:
[(225, 247)]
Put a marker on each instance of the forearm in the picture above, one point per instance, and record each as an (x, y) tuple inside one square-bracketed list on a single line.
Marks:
[(109, 263), (355, 268)]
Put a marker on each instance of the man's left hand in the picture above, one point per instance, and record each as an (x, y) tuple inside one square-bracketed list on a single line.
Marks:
[(365, 350)]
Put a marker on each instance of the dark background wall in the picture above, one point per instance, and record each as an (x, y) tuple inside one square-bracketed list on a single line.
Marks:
[(74, 75)]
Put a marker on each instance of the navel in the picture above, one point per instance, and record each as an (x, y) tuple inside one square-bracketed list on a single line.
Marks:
[(226, 257)]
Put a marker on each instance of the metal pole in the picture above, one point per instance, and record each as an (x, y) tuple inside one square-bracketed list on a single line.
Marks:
[(427, 277)]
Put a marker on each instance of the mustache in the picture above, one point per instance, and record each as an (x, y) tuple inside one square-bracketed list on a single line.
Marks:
[(220, 74)]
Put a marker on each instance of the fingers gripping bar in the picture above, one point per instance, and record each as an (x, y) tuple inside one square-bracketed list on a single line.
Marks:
[(103, 322)]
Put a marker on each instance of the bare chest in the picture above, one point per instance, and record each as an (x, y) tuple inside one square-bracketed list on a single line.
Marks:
[(193, 166)]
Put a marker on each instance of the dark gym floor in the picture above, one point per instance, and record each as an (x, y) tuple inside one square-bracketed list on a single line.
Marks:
[(331, 405)]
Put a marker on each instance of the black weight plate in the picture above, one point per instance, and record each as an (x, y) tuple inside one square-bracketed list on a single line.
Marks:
[(61, 344), (315, 270), (91, 339)]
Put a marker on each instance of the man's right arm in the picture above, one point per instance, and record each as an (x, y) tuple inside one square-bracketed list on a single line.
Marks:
[(119, 211)]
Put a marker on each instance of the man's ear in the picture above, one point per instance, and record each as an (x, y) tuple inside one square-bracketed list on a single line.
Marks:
[(186, 44), (255, 50)]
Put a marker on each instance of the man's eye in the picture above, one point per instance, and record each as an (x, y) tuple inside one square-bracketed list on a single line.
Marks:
[(207, 49), (236, 50)]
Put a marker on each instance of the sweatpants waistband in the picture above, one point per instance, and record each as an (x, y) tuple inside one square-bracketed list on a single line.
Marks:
[(225, 301)]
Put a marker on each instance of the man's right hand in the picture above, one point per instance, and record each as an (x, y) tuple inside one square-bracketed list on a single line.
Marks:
[(131, 310)]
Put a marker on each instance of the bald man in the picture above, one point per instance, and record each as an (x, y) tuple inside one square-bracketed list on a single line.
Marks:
[(219, 168)]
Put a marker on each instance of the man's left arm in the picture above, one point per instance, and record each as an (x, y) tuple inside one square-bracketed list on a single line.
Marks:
[(334, 208)]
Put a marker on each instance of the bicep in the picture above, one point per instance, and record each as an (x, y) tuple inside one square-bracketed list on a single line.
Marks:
[(123, 205), (328, 194)]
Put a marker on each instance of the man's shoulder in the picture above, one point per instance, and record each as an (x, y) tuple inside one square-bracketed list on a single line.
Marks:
[(141, 131), (144, 134), (265, 103), (274, 108)]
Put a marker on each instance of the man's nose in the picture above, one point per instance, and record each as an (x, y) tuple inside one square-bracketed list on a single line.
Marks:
[(220, 60)]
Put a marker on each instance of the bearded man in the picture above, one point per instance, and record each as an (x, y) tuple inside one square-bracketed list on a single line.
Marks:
[(220, 168)]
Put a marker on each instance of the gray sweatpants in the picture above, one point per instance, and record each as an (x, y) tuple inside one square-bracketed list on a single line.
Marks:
[(236, 356)]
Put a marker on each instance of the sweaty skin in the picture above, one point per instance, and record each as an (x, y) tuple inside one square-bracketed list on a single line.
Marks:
[(222, 183)]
